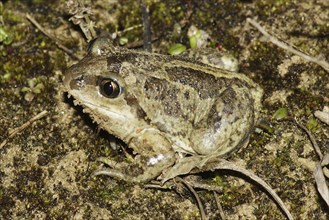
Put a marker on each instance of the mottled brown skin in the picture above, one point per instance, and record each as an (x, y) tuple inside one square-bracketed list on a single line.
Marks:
[(165, 108)]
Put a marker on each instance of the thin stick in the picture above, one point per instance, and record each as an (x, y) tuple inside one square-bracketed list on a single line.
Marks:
[(324, 64), (58, 44), (202, 213), (19, 129), (219, 206), (312, 139), (146, 27)]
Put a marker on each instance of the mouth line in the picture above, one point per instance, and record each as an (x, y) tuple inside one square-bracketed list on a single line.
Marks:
[(98, 116), (101, 109)]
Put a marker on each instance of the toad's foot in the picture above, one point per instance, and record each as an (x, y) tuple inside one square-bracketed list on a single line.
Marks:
[(141, 170)]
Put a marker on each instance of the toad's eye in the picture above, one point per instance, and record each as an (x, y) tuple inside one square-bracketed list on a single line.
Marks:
[(109, 88)]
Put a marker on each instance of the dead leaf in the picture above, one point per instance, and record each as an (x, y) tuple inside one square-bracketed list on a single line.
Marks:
[(321, 184)]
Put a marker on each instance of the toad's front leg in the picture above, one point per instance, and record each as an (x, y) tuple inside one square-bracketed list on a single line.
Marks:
[(155, 154)]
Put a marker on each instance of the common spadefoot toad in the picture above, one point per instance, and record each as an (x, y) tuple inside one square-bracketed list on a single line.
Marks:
[(163, 107)]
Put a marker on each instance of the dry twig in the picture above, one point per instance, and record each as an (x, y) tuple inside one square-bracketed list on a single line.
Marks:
[(58, 44), (312, 139), (202, 212), (318, 172), (146, 27), (324, 64), (219, 206), (198, 164), (19, 129)]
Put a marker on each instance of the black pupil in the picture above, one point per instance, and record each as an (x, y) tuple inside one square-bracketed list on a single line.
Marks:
[(109, 88)]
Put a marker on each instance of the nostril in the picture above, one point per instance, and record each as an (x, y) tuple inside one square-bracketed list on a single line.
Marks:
[(77, 83)]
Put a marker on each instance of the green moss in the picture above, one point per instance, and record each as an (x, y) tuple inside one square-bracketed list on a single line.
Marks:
[(281, 113), (176, 49), (38, 2), (269, 7), (5, 37), (312, 125), (283, 158)]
